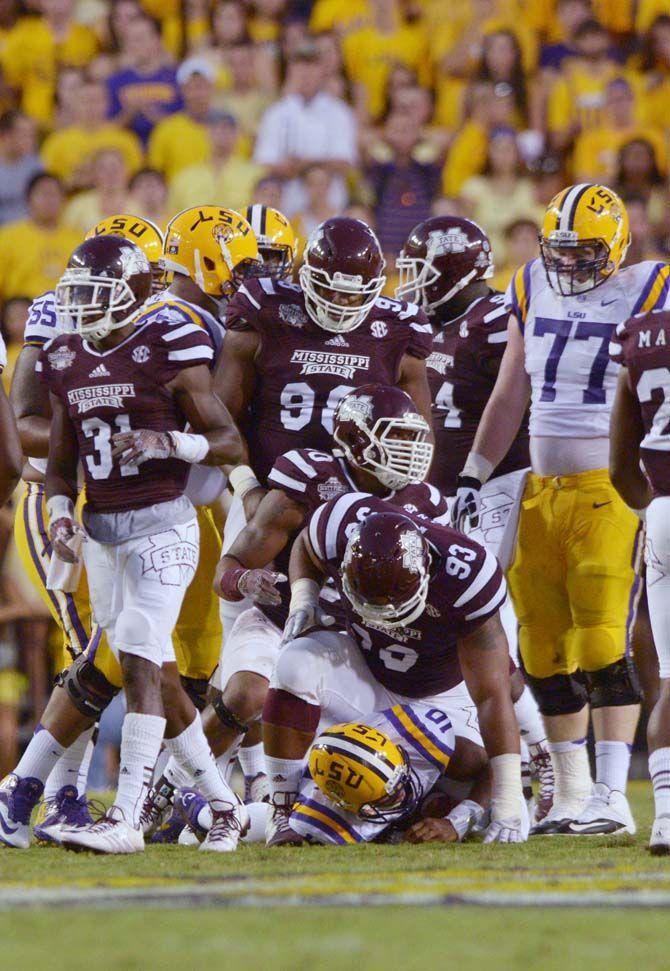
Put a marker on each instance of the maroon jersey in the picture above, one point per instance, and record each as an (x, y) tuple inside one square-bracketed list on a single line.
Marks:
[(462, 371), (303, 371), (642, 345), (112, 391), (311, 478), (466, 588)]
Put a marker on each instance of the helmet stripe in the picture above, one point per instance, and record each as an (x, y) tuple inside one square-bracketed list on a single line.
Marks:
[(331, 815), (569, 207), (255, 216)]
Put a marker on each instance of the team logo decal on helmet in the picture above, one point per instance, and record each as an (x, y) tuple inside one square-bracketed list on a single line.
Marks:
[(144, 234)]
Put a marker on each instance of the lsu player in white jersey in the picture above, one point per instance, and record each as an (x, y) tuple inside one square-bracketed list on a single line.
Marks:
[(574, 577)]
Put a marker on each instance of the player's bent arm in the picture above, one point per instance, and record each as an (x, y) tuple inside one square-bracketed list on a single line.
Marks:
[(61, 474), (413, 379), (264, 537), (306, 573), (11, 459), (208, 416), (30, 401), (626, 433), (507, 405), (235, 373), (304, 564)]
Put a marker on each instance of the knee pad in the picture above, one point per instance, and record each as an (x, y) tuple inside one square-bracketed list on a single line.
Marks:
[(89, 690), (561, 694), (196, 689), (228, 717), (617, 684)]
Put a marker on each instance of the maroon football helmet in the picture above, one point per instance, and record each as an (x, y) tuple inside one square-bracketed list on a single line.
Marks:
[(386, 570), (441, 256), (106, 280), (342, 274), (379, 430)]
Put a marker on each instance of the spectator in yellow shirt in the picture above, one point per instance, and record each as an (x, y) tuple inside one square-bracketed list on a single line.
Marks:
[(37, 47), (108, 196), (521, 246), (227, 179), (638, 175), (245, 97), (34, 251), (645, 237), (183, 139), (69, 152), (149, 196), (597, 149)]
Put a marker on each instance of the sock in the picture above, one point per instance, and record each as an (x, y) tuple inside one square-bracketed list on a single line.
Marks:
[(175, 775), (252, 760), (284, 774), (612, 763), (40, 757), (226, 759), (141, 738), (193, 754), (529, 719), (572, 774), (82, 777), (659, 770), (66, 770)]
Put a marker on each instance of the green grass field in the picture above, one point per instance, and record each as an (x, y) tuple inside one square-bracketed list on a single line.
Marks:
[(369, 906)]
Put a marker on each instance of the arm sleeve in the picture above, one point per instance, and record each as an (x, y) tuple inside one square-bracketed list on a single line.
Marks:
[(41, 323), (183, 345), (242, 311), (517, 296), (476, 593)]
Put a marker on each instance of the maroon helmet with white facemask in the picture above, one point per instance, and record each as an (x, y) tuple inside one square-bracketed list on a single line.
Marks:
[(386, 570), (342, 274), (441, 257), (380, 431)]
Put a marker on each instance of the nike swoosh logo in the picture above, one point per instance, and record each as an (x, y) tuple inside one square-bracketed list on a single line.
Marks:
[(7, 829), (606, 303), (599, 505)]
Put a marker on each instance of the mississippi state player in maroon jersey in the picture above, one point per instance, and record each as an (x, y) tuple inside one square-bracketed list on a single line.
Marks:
[(421, 605), (382, 447), (292, 352), (640, 471), (123, 385)]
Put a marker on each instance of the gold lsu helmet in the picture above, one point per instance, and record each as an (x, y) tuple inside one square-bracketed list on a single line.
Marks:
[(277, 242), (215, 247), (362, 771), (584, 239), (143, 233)]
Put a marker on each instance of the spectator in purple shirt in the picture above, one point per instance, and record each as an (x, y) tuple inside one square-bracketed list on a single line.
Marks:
[(145, 90), (404, 189)]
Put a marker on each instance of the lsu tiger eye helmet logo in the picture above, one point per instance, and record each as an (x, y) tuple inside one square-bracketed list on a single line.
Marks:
[(584, 239)]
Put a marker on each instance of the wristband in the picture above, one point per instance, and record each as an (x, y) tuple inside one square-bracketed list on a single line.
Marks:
[(229, 584), (243, 480), (507, 792), (464, 816), (189, 447), (477, 467), (60, 507), (304, 593)]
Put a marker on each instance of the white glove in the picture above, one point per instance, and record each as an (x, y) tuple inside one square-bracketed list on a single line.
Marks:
[(141, 445), (467, 503), (506, 831), (303, 618), (260, 586), (65, 533)]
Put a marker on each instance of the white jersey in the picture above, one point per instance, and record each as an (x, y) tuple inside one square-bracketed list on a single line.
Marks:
[(3, 355), (566, 341)]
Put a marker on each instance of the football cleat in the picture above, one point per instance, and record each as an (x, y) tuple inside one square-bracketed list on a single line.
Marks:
[(659, 842), (67, 808), (157, 806), (110, 834), (606, 813), (256, 788), (18, 798), (170, 829), (556, 822), (188, 838), (542, 770), (278, 831), (229, 825), (189, 804)]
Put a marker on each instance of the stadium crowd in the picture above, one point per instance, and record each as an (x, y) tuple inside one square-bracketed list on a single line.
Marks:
[(388, 110)]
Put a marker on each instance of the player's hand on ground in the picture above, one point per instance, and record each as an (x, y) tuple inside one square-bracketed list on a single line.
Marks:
[(260, 586), (432, 831), (505, 831), (141, 445), (467, 503), (62, 533), (302, 619)]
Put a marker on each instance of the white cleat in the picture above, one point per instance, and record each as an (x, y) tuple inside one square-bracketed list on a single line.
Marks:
[(557, 821), (605, 813), (228, 827), (188, 838), (659, 843), (111, 834)]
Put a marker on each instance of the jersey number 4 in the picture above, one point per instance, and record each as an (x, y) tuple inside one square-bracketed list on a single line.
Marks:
[(594, 393), (100, 465)]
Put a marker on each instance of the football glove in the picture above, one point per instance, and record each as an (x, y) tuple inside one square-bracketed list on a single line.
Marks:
[(260, 586), (303, 618), (135, 447), (62, 533), (467, 503), (509, 830)]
